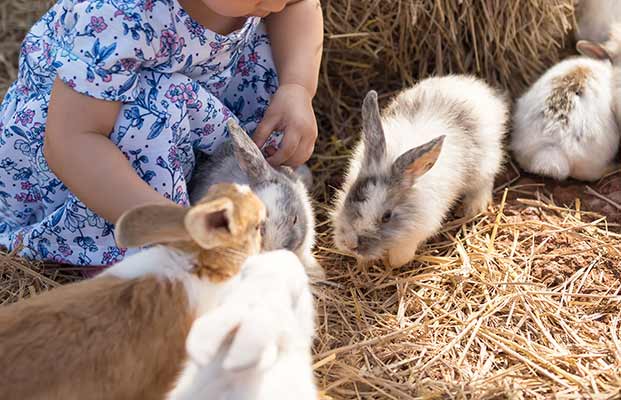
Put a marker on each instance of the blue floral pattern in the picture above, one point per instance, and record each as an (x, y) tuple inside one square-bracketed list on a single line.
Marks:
[(178, 83)]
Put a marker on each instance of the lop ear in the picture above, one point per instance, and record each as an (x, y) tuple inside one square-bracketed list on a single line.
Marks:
[(212, 223), (248, 155), (416, 162), (593, 50), (151, 224), (372, 130)]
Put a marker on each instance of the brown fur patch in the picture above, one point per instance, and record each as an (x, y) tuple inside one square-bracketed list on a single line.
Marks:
[(560, 103), (223, 250), (104, 338), (222, 263)]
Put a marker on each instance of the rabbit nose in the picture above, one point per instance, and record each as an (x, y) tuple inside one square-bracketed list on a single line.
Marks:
[(358, 244), (364, 243)]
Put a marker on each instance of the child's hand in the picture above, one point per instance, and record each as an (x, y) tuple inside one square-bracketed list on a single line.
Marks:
[(290, 111)]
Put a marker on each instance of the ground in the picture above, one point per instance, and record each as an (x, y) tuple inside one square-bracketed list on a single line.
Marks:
[(521, 302)]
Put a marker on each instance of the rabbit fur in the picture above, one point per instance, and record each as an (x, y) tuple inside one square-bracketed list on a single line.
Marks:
[(564, 125), (435, 143), (291, 223)]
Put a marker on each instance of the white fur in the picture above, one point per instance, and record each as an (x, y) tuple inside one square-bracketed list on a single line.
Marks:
[(269, 355), (456, 173), (271, 197), (595, 17), (585, 146), (171, 264), (271, 306), (305, 252)]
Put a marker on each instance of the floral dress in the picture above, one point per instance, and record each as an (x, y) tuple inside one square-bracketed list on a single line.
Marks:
[(178, 83)]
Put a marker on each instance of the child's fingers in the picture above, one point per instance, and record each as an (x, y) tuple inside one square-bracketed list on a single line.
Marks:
[(288, 147), (303, 152), (265, 129)]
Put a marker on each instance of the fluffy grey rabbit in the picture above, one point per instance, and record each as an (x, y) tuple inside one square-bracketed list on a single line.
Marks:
[(290, 220), (434, 144)]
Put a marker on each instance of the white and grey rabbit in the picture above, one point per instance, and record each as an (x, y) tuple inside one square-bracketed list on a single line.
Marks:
[(435, 143), (595, 17), (270, 310), (290, 220), (564, 125)]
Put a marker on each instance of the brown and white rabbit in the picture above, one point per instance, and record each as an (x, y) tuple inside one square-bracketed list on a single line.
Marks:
[(435, 143), (564, 124), (122, 335), (290, 218), (595, 18)]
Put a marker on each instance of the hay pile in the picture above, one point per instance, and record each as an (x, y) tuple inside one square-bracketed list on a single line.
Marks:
[(522, 302), (386, 44)]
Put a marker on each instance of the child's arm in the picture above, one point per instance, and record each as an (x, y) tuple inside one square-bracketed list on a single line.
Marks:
[(296, 35), (79, 152)]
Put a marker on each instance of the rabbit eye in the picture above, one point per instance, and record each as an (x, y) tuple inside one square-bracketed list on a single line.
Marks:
[(386, 217), (295, 220)]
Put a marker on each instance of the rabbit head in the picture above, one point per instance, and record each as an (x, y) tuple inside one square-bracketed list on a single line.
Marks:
[(230, 217), (376, 204), (610, 50), (290, 222)]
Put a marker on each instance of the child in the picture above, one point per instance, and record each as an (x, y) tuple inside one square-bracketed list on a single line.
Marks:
[(115, 97)]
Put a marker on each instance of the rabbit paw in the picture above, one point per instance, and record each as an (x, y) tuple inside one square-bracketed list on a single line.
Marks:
[(477, 202), (399, 256), (314, 270)]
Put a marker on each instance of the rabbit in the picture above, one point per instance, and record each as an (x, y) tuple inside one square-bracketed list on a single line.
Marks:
[(125, 334), (564, 125), (291, 223), (274, 319), (610, 51), (435, 142), (595, 17)]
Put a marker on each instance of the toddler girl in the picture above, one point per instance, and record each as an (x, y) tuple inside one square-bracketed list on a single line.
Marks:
[(114, 98)]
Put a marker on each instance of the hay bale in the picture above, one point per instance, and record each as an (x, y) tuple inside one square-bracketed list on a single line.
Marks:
[(387, 44)]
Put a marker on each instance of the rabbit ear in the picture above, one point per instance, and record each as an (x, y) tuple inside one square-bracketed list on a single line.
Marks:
[(416, 162), (151, 224), (248, 155), (372, 130), (593, 50), (213, 223)]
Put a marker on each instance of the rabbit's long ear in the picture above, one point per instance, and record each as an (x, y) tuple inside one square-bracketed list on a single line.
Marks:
[(593, 50), (372, 130), (212, 223), (248, 155), (416, 162), (151, 224)]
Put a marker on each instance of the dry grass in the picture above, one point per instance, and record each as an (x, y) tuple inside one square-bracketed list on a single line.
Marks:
[(522, 302), (385, 45)]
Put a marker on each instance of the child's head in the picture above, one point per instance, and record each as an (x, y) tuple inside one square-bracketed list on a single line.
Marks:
[(243, 8)]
